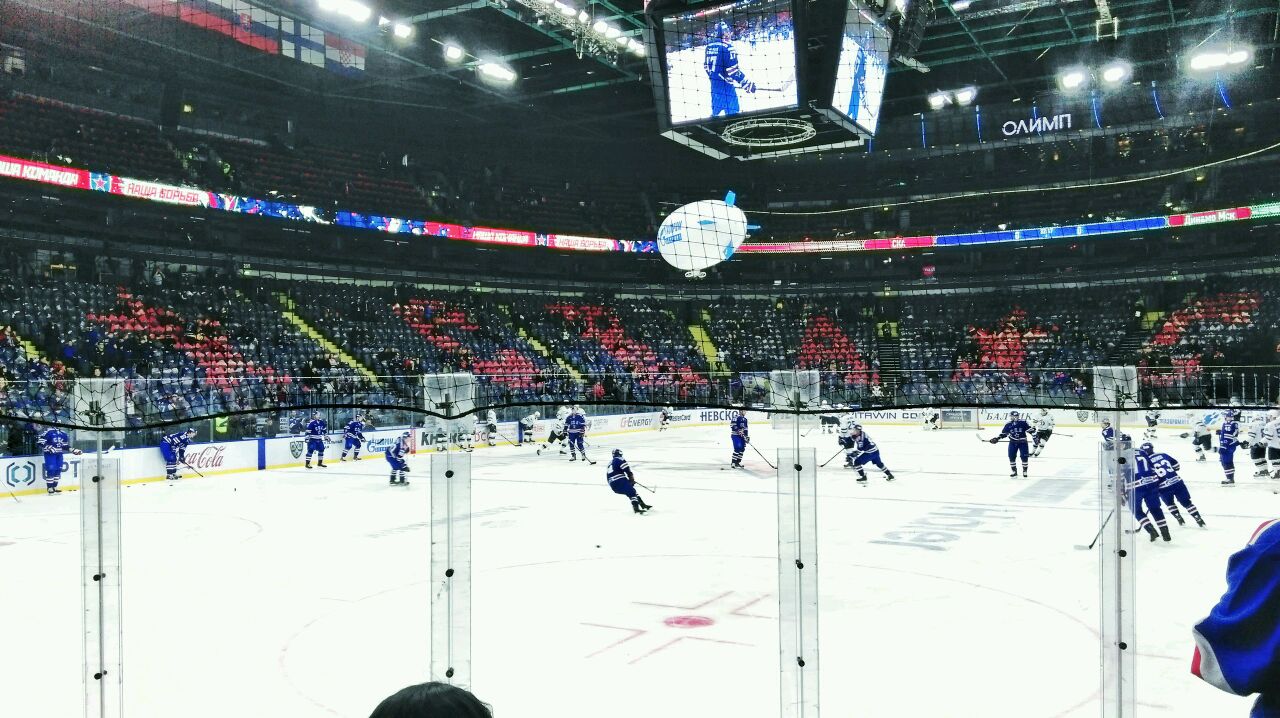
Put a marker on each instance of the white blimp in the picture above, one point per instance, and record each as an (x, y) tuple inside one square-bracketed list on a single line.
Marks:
[(702, 234)]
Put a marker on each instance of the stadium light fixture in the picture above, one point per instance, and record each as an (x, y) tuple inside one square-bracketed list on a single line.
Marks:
[(600, 26), (402, 30), (612, 32), (383, 21), (565, 9), (583, 16), (623, 40), (1117, 72), (966, 95), (961, 5), (453, 53), (1217, 58), (938, 100), (1072, 79), (494, 71), (637, 48), (357, 11)]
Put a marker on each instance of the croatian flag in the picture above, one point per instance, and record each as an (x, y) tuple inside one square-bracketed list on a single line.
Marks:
[(343, 56)]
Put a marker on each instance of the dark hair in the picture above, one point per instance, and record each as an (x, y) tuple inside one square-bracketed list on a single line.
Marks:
[(431, 700)]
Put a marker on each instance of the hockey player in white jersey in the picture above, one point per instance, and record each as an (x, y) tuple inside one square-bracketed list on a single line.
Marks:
[(1043, 422), (1201, 435), (557, 435), (828, 419), (668, 413), (1271, 432), (1153, 420), (491, 427), (1254, 437), (524, 429), (845, 434), (932, 419)]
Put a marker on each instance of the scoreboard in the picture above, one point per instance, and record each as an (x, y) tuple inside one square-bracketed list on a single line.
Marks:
[(753, 79)]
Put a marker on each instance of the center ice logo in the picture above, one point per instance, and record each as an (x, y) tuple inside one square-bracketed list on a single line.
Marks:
[(20, 474)]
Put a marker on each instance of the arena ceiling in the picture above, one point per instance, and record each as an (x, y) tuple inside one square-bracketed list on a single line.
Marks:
[(1005, 48)]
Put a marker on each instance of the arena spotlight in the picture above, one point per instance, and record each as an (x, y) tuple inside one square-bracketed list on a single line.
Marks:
[(637, 48), (623, 40), (583, 16), (612, 32), (600, 26), (1117, 72), (453, 53), (494, 71), (1072, 79), (565, 9), (402, 30), (1218, 58), (350, 8), (961, 5), (966, 95), (938, 100)]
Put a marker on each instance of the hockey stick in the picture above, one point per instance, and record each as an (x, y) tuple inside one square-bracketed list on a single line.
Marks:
[(1094, 542), (766, 460), (646, 488), (833, 457), (194, 469), (783, 87)]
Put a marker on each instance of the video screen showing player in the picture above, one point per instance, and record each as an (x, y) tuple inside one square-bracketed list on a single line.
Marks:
[(730, 59), (863, 68)]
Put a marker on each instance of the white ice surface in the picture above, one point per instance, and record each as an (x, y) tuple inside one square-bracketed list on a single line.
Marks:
[(305, 593)]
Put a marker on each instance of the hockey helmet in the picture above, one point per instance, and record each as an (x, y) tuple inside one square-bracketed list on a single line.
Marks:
[(1044, 412), (1126, 437), (617, 453), (1014, 414), (1106, 422), (191, 431), (1146, 448)]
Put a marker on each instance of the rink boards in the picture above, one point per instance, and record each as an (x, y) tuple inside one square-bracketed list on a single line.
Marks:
[(23, 475)]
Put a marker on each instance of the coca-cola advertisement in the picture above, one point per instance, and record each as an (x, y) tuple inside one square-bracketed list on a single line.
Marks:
[(207, 456)]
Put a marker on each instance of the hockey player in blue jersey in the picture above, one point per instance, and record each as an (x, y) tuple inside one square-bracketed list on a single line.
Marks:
[(860, 450), (720, 62), (623, 481), (1173, 490), (353, 438), (1019, 433), (1144, 488), (316, 437), (54, 444), (395, 456), (740, 436), (173, 447), (575, 425), (1238, 645), (1228, 440), (1108, 434)]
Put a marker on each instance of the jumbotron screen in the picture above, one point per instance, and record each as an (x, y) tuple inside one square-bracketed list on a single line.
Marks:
[(863, 68), (730, 59)]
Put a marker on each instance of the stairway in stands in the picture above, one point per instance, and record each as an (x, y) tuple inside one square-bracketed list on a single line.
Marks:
[(538, 346), (707, 347), (288, 305), (1136, 334), (889, 351)]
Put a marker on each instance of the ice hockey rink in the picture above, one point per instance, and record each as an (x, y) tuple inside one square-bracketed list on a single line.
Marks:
[(305, 593)]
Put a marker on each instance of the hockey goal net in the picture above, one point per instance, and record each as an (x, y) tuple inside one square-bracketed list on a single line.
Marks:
[(958, 419)]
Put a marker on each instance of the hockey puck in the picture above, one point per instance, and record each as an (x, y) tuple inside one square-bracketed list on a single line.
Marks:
[(597, 545)]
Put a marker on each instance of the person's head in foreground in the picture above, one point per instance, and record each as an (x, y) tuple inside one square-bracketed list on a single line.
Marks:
[(431, 700)]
